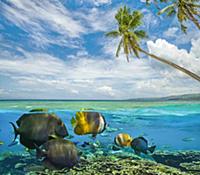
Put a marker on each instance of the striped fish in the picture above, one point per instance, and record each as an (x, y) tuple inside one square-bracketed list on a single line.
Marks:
[(123, 140), (88, 122)]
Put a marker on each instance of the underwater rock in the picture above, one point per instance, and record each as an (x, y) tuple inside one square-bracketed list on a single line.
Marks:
[(108, 165), (115, 148), (124, 154), (176, 159), (15, 163), (99, 152), (5, 155), (19, 165), (100, 165), (193, 167), (34, 167)]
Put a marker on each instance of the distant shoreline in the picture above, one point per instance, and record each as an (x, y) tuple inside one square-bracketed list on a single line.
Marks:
[(185, 97)]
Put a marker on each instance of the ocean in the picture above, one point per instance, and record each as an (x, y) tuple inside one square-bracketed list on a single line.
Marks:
[(171, 125)]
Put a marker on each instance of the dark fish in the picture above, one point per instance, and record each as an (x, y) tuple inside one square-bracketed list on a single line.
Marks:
[(36, 128), (140, 145), (58, 154)]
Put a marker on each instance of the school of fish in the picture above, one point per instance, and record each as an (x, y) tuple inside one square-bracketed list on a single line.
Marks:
[(38, 129)]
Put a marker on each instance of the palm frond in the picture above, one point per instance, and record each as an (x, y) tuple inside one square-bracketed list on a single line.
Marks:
[(167, 9), (140, 34), (136, 20), (125, 43), (119, 47), (113, 34)]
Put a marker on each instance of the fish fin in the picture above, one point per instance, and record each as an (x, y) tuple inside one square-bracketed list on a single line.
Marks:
[(73, 122), (40, 153), (16, 130), (13, 143), (152, 148), (39, 110), (142, 138), (52, 137)]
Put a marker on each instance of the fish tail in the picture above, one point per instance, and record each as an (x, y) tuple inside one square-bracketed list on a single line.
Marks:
[(15, 130), (152, 148), (73, 121)]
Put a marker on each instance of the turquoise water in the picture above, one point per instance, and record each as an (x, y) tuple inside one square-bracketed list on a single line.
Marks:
[(169, 125)]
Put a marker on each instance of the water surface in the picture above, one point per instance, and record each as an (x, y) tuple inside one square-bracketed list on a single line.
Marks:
[(169, 125)]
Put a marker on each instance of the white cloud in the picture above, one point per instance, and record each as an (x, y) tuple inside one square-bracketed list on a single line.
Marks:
[(97, 20), (96, 2), (50, 22), (40, 18), (171, 32), (39, 75), (179, 37), (179, 56), (107, 90), (150, 20), (195, 48), (102, 2)]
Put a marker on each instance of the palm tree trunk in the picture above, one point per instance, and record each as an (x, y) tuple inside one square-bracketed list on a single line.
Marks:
[(191, 74)]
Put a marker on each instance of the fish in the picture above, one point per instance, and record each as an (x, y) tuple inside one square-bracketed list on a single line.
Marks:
[(188, 139), (140, 145), (39, 110), (36, 128), (1, 142), (123, 140), (87, 122), (58, 153)]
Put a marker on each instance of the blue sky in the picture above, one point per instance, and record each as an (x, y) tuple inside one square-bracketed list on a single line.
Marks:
[(58, 50)]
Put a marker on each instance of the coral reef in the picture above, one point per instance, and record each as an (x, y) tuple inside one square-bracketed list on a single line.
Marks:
[(89, 164), (188, 161)]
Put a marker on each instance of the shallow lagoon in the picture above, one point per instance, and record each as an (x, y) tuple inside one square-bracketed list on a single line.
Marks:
[(172, 126)]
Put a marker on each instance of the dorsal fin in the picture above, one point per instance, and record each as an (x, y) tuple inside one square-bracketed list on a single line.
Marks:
[(142, 138)]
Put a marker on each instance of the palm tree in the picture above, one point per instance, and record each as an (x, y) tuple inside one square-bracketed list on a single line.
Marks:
[(129, 38), (184, 10)]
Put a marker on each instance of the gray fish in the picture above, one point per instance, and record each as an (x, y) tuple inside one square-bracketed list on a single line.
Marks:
[(58, 153), (36, 128), (140, 145), (188, 139)]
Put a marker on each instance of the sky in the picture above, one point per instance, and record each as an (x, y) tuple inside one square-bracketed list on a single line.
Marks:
[(57, 49)]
